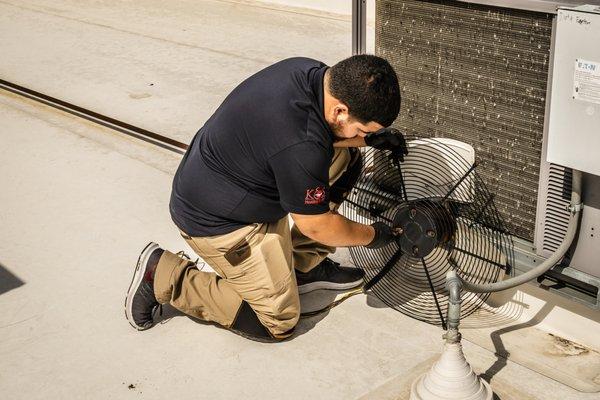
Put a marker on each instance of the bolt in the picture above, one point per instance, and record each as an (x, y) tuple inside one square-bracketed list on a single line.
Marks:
[(413, 212), (430, 233), (399, 230), (415, 250)]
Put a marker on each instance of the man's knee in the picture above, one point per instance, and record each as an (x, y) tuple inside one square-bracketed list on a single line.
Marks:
[(281, 324), (270, 324)]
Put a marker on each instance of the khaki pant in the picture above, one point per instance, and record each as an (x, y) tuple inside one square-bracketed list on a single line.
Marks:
[(261, 272)]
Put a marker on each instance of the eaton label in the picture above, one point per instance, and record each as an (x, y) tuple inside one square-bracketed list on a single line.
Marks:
[(586, 81)]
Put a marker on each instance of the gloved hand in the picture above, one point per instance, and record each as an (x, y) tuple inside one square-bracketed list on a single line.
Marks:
[(388, 139), (384, 234)]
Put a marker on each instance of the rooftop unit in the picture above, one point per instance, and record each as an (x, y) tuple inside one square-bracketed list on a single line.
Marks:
[(518, 81)]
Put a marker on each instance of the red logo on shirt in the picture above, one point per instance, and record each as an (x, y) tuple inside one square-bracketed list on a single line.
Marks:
[(315, 196)]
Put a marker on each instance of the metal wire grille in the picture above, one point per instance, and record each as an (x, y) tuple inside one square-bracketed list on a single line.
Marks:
[(558, 198), (447, 218)]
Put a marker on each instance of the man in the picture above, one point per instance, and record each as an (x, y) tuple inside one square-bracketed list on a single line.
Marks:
[(279, 144)]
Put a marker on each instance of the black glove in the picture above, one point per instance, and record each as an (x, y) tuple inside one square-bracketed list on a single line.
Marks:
[(383, 235), (388, 139)]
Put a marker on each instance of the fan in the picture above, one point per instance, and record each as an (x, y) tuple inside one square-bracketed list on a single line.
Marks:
[(447, 221), (451, 252)]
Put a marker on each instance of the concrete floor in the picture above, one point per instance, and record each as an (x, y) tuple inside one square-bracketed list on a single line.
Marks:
[(161, 67), (78, 202), (79, 214)]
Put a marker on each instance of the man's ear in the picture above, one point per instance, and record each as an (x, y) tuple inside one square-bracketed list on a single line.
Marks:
[(340, 112)]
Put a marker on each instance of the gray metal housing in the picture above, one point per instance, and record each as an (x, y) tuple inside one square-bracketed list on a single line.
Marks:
[(479, 72)]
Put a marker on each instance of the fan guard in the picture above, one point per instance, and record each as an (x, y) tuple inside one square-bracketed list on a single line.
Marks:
[(447, 219)]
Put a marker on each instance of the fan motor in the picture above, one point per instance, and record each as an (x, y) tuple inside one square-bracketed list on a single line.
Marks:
[(423, 226)]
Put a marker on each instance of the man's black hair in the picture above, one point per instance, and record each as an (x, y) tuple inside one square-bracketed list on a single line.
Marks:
[(368, 85)]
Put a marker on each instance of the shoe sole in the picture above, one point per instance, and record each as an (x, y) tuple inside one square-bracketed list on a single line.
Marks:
[(309, 287), (138, 274)]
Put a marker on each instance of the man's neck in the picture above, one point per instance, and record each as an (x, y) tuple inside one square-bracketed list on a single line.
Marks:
[(328, 100)]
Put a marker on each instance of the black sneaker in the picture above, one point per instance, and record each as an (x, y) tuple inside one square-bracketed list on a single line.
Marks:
[(140, 303), (329, 275)]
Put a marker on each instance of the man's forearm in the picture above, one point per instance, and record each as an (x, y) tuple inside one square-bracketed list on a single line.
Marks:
[(337, 230), (352, 142)]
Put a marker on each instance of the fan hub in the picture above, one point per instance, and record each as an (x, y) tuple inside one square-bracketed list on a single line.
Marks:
[(423, 226), (413, 231)]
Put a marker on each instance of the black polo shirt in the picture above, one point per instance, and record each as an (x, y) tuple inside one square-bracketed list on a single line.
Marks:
[(264, 153)]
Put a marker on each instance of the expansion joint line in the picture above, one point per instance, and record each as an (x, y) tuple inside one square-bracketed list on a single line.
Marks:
[(108, 122)]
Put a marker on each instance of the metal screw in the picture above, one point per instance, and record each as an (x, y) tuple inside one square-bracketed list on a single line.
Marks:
[(413, 212), (399, 230), (415, 250), (430, 233)]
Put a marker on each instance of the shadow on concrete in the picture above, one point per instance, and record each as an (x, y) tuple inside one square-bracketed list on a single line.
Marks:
[(375, 302), (315, 306), (501, 352), (169, 312), (8, 281), (502, 308)]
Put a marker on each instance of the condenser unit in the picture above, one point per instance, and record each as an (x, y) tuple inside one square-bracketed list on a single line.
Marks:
[(520, 83), (572, 139)]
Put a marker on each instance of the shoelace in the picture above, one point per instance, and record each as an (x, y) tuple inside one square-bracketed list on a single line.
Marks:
[(331, 266)]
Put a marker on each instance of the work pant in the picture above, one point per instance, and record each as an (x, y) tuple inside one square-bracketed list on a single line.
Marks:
[(259, 271)]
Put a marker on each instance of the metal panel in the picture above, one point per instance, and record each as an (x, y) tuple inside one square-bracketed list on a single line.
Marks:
[(587, 252), (575, 104), (478, 74), (555, 185)]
